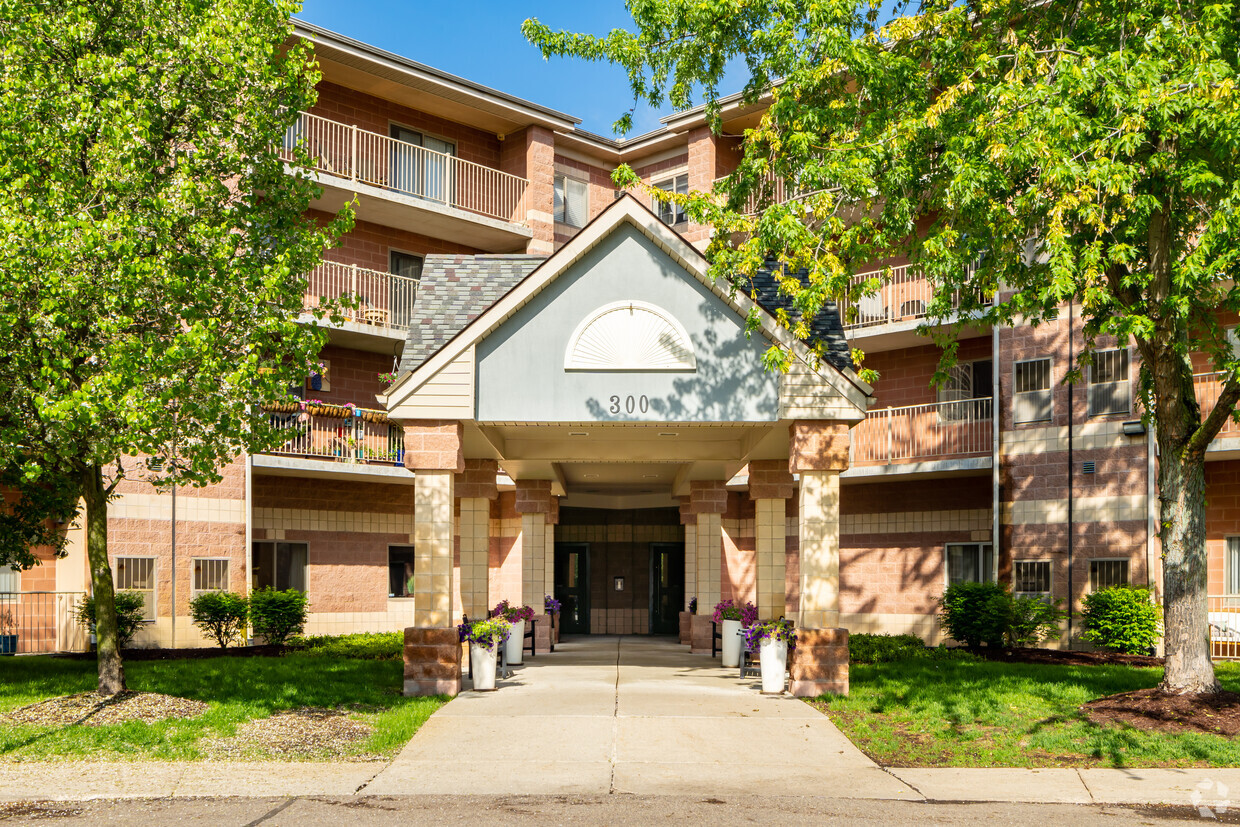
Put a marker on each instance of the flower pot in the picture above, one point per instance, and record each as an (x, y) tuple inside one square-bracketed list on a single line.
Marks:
[(8, 644), (515, 643), (732, 643), (482, 664), (774, 656)]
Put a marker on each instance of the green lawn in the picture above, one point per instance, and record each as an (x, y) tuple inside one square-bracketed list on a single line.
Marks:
[(237, 690), (921, 712)]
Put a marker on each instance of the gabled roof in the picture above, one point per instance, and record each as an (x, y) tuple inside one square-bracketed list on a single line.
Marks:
[(825, 329), (452, 292), (834, 369)]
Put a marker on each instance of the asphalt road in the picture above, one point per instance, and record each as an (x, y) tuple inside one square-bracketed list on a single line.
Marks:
[(442, 811)]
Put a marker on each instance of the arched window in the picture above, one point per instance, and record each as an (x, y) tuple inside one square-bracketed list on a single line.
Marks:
[(630, 335)]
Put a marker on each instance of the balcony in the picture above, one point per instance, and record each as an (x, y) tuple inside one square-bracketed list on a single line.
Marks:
[(384, 301), (337, 433), (936, 438), (399, 184), (1227, 444)]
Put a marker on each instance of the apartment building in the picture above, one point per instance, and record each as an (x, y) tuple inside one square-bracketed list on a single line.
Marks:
[(574, 409)]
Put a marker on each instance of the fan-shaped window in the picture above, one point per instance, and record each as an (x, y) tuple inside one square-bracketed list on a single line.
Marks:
[(630, 335)]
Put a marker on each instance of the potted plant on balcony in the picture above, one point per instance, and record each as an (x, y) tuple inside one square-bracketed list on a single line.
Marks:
[(772, 639), (8, 633), (516, 617), (732, 616), (484, 638), (552, 607)]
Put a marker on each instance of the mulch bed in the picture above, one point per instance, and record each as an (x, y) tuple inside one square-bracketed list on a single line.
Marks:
[(301, 733), (1064, 657), (196, 653), (91, 709), (1157, 711)]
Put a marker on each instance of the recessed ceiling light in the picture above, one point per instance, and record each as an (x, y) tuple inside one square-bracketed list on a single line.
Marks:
[(590, 476), (668, 433), (650, 476), (577, 433)]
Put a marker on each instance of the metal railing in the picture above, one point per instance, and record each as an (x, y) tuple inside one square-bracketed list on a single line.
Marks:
[(921, 432), (1224, 619), (383, 299), (1208, 387), (905, 296), (39, 622), (348, 152), (352, 439)]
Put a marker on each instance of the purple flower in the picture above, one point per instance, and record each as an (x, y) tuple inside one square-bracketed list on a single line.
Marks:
[(780, 629), (550, 605), (731, 610)]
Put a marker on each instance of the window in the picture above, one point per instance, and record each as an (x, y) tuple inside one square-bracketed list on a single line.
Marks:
[(1109, 391), (966, 381), (10, 580), (137, 574), (403, 290), (570, 201), (1231, 567), (280, 565), (1106, 573), (210, 575), (673, 213), (1031, 578), (418, 172), (1031, 399), (400, 571), (970, 563)]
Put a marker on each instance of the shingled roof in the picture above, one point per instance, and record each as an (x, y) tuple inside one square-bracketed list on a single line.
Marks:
[(453, 291), (826, 329)]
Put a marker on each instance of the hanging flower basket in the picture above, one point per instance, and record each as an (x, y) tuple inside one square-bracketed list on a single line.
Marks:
[(378, 417), (328, 410), (282, 407)]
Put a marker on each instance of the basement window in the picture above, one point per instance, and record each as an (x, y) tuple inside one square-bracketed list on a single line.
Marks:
[(1103, 574), (137, 574), (1031, 578)]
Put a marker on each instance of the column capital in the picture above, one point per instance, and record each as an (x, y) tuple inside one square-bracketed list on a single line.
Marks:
[(707, 497), (477, 480), (817, 445), (534, 497), (770, 479), (433, 445), (687, 517)]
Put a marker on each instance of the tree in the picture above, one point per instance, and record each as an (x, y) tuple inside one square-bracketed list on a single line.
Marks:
[(152, 244), (1081, 152)]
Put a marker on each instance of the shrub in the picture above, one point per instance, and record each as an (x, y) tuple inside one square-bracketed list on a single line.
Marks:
[(220, 615), (130, 606), (864, 648), (1122, 618), (362, 645), (1034, 620), (277, 615), (977, 613)]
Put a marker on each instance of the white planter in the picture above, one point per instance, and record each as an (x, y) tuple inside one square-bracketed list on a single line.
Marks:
[(774, 657), (515, 643), (732, 643), (482, 663)]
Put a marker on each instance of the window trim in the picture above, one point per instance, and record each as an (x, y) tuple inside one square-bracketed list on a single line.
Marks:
[(1227, 569), (194, 590), (994, 561), (1125, 560), (1050, 579), (1089, 400), (154, 590), (12, 571), (585, 196), (657, 206), (273, 543), (1050, 388)]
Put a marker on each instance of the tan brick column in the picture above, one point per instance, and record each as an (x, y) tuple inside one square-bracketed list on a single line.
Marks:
[(707, 501), (476, 489), (770, 486), (818, 451), (530, 154), (689, 520)]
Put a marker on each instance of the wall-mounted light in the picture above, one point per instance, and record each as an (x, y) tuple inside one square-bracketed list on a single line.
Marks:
[(619, 581), (1134, 427)]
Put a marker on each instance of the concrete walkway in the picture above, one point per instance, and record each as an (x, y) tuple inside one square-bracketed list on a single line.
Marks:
[(632, 715), (608, 715)]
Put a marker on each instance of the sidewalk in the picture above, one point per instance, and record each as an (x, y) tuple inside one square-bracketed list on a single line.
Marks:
[(619, 715)]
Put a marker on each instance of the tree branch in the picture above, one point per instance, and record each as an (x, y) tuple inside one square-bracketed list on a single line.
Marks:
[(1213, 423)]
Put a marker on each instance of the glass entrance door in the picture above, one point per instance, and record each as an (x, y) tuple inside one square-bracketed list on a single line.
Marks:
[(572, 587), (667, 587)]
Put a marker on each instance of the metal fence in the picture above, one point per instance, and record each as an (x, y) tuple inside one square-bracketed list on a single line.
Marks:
[(383, 299), (353, 439), (39, 622), (919, 432)]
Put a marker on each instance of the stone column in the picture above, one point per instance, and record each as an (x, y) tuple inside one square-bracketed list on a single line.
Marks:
[(689, 521), (530, 154), (476, 490), (432, 650), (534, 504), (818, 451), (770, 486), (707, 501)]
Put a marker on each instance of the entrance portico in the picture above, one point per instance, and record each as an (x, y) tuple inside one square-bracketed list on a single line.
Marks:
[(617, 375)]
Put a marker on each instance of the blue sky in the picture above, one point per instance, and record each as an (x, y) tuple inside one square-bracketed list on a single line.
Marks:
[(482, 41)]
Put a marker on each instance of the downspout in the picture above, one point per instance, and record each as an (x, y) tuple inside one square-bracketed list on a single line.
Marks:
[(1071, 405), (995, 476)]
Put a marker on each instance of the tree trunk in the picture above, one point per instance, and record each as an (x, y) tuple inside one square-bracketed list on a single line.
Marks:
[(1181, 482), (111, 670)]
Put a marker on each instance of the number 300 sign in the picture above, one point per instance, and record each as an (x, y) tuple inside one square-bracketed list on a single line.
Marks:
[(629, 404)]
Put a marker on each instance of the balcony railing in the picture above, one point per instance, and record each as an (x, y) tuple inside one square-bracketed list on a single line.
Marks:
[(943, 430), (383, 299), (38, 622), (1208, 387), (336, 433), (436, 177), (1224, 619)]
